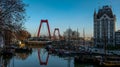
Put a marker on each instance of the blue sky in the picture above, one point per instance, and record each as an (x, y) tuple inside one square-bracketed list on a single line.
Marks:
[(63, 14)]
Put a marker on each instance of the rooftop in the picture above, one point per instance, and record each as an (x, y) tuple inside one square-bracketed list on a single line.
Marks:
[(105, 10)]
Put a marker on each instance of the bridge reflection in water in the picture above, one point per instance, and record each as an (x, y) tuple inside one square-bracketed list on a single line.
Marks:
[(40, 60), (37, 58)]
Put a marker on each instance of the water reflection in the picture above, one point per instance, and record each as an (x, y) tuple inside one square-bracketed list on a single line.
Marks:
[(37, 57), (23, 56), (83, 65), (7, 60), (40, 60)]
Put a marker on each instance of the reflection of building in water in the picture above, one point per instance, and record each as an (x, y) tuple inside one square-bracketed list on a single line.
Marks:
[(82, 65), (5, 61), (23, 55), (69, 61), (40, 60), (8, 60)]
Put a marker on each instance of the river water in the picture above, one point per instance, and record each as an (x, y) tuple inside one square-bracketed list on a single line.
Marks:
[(38, 58)]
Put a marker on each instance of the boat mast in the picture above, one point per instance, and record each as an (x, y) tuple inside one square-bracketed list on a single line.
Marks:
[(69, 35), (77, 35), (83, 37)]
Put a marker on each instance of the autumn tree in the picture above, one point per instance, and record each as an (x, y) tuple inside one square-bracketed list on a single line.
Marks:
[(22, 35)]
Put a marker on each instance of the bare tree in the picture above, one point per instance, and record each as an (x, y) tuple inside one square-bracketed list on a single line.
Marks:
[(12, 14), (12, 17), (70, 34)]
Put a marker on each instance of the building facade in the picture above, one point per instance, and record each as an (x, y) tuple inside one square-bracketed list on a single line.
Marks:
[(1, 41), (117, 38), (104, 27)]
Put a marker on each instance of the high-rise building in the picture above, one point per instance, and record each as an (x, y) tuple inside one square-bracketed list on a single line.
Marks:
[(104, 27), (117, 38)]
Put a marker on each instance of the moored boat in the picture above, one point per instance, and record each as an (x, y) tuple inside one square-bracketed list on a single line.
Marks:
[(107, 61), (111, 62)]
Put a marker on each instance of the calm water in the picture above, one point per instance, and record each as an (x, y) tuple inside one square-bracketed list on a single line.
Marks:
[(39, 59)]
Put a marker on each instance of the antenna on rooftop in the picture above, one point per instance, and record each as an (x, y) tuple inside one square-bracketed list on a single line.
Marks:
[(110, 2), (98, 4)]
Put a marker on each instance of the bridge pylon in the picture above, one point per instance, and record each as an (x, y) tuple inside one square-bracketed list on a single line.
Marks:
[(48, 27), (56, 30)]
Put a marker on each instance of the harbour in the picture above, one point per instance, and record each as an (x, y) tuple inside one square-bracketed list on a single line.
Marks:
[(59, 33), (71, 56), (31, 58)]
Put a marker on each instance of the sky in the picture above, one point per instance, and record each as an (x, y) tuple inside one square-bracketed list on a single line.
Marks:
[(64, 14)]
